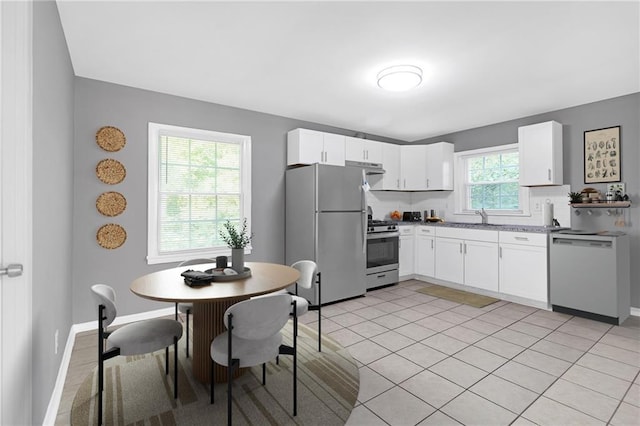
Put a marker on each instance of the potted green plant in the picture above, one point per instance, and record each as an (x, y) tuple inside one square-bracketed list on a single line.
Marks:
[(575, 197), (236, 239)]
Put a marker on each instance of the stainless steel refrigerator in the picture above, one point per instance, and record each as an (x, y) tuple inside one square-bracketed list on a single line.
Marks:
[(326, 222)]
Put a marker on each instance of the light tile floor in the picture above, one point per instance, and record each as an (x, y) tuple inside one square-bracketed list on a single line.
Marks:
[(428, 361)]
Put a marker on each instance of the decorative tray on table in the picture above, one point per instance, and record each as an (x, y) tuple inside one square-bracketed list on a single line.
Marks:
[(228, 274)]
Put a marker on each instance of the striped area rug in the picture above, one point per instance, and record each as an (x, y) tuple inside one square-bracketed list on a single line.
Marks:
[(137, 391)]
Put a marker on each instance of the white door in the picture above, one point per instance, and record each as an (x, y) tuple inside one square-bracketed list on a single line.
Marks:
[(15, 211)]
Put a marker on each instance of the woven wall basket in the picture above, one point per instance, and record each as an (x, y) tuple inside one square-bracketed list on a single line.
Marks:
[(111, 236), (111, 171), (110, 138), (111, 203)]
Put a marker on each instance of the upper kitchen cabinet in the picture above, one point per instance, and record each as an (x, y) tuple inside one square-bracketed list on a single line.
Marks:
[(426, 167), (413, 167), (310, 146), (358, 149), (390, 180), (440, 166), (540, 147)]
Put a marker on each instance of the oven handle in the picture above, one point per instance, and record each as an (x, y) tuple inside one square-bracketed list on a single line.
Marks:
[(380, 235)]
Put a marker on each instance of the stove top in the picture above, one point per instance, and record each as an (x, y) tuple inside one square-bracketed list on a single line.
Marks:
[(375, 226)]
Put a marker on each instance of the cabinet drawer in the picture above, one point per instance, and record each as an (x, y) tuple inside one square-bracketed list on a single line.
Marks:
[(405, 230), (524, 238), (426, 230), (468, 234)]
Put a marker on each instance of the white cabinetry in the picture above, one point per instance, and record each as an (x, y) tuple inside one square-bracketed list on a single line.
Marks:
[(413, 167), (524, 265), (439, 166), (358, 149), (467, 256), (309, 146), (390, 180), (540, 148), (406, 252), (425, 251)]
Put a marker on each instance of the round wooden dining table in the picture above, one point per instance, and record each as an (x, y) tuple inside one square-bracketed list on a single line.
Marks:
[(211, 301)]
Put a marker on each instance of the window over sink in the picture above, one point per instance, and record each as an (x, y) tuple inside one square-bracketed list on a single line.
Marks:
[(488, 178), (198, 179)]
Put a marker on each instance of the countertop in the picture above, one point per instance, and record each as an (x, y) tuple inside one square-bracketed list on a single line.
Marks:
[(490, 226)]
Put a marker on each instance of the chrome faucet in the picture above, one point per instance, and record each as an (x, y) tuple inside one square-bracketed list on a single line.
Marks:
[(485, 216)]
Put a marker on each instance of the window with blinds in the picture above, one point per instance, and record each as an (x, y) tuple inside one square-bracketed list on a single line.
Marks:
[(199, 179)]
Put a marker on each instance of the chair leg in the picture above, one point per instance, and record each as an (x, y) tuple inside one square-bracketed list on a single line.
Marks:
[(295, 364), (188, 312), (166, 360), (100, 387), (229, 382), (264, 374), (212, 380), (175, 368)]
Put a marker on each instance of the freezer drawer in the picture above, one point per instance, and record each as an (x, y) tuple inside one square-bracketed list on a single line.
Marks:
[(589, 276)]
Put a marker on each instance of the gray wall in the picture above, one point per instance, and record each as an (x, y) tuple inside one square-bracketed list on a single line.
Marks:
[(99, 104), (623, 111), (52, 199)]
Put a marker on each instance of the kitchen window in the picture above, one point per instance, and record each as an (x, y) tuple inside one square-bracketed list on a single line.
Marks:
[(488, 179), (198, 179)]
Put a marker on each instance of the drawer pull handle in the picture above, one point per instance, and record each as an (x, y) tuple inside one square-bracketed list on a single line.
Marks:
[(522, 238)]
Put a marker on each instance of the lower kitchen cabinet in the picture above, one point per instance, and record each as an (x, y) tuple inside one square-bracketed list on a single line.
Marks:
[(406, 251), (481, 265), (425, 251), (524, 265), (449, 260)]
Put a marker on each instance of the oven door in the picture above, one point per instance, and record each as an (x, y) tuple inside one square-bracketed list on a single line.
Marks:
[(382, 251)]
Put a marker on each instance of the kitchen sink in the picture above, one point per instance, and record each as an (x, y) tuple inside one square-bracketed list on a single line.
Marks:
[(472, 225)]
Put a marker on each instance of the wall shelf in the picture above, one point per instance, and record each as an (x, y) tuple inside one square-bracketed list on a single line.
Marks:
[(602, 205)]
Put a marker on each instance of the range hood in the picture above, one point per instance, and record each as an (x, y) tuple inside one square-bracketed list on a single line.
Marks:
[(369, 168)]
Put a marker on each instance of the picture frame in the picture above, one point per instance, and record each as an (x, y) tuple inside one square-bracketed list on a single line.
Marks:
[(602, 155)]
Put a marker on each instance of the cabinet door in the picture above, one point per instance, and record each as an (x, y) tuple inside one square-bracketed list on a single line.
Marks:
[(372, 151), (391, 163), (439, 166), (354, 149), (449, 260), (523, 271), (413, 168), (406, 255), (481, 265), (425, 255), (305, 147), (333, 149), (540, 150)]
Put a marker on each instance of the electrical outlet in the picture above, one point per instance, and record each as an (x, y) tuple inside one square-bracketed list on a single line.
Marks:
[(55, 338), (537, 206)]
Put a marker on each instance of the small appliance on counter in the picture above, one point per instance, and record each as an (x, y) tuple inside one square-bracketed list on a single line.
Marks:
[(411, 217)]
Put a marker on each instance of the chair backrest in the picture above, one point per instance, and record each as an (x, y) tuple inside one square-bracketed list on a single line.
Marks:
[(259, 318), (195, 262), (105, 295), (308, 270)]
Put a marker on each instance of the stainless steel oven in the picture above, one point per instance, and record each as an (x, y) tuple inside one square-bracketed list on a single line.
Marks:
[(383, 240)]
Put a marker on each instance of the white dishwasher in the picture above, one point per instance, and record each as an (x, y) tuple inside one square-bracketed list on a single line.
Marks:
[(589, 275)]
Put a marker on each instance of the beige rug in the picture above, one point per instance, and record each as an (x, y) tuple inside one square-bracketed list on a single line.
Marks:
[(459, 296), (137, 391)]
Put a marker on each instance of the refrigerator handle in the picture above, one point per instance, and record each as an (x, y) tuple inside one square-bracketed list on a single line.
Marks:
[(363, 212)]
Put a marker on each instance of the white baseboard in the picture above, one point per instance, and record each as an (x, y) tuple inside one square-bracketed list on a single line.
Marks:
[(56, 395), (635, 312)]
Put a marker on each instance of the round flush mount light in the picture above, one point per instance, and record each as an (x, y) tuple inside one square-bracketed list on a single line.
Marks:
[(399, 78)]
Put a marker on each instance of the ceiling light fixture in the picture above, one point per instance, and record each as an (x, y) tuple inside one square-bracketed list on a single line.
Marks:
[(400, 78)]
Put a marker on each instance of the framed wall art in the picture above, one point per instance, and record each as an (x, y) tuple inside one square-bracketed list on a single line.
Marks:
[(602, 155)]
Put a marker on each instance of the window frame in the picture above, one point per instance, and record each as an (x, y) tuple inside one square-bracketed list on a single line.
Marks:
[(155, 130), (461, 185)]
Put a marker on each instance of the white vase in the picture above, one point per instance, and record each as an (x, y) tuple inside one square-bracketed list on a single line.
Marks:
[(237, 260)]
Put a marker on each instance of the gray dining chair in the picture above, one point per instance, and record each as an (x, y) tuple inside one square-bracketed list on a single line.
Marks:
[(254, 337), (136, 338), (187, 308)]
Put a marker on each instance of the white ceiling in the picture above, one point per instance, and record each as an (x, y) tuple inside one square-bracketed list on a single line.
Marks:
[(484, 62)]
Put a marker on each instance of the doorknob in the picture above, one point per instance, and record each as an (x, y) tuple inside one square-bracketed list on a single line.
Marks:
[(13, 270)]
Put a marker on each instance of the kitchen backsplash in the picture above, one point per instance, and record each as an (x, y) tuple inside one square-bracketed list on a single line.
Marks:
[(384, 202)]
